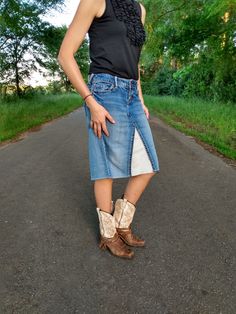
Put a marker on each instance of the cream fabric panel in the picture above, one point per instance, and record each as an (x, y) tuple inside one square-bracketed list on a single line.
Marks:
[(140, 162)]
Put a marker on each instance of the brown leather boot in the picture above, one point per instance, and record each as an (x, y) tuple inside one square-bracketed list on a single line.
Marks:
[(116, 246), (109, 238), (124, 213), (129, 238)]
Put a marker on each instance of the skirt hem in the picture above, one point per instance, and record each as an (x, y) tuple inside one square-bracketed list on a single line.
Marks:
[(124, 176)]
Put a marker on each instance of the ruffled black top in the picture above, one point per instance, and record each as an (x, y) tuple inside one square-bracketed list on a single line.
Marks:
[(127, 11)]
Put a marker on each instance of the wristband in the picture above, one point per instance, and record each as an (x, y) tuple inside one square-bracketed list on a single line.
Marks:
[(87, 96)]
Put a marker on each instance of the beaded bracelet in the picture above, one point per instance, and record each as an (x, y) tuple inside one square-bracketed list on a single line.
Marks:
[(87, 96)]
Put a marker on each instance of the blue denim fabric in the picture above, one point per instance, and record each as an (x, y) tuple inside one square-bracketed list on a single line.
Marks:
[(110, 156)]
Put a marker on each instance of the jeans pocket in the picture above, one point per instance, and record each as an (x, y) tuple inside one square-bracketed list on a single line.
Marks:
[(102, 86)]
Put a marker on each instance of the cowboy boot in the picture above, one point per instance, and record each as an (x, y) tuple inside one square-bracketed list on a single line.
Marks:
[(109, 238), (123, 213)]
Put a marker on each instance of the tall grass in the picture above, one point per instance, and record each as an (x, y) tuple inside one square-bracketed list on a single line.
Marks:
[(19, 115), (213, 123)]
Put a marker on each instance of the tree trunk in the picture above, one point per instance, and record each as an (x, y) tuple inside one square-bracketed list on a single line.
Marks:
[(18, 90)]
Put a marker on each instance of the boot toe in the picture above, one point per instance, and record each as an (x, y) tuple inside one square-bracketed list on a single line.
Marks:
[(129, 238), (116, 246)]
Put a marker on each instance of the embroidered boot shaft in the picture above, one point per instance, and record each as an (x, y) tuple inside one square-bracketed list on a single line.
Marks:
[(109, 238), (124, 213), (106, 223)]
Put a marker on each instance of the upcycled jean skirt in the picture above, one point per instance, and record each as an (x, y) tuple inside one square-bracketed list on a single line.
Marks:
[(129, 149)]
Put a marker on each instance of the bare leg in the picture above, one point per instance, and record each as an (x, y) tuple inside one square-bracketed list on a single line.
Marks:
[(136, 185), (103, 193)]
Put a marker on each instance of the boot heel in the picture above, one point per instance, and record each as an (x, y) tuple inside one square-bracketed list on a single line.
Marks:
[(102, 245), (109, 238)]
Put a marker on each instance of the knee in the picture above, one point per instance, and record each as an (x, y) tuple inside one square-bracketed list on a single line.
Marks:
[(147, 175), (152, 174)]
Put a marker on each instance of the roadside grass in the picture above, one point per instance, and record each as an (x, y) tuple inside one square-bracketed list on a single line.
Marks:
[(212, 123), (20, 115)]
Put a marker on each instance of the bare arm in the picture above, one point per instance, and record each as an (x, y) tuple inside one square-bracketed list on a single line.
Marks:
[(139, 80), (72, 41), (85, 13), (140, 88)]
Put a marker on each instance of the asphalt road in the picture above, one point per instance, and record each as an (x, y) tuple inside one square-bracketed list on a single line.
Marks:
[(49, 255)]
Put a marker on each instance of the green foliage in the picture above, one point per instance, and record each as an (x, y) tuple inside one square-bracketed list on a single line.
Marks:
[(28, 44), (190, 48), (52, 39), (196, 39), (30, 92), (211, 122), (21, 29), (21, 114)]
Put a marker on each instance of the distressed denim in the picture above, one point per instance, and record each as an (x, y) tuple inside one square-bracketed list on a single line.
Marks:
[(129, 149)]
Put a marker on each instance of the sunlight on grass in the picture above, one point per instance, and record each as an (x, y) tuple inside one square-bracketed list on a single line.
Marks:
[(20, 115), (213, 123)]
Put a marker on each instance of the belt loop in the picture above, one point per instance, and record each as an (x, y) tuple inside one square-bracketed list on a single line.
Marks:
[(116, 81), (91, 75)]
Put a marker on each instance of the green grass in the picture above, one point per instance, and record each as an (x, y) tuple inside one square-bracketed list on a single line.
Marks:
[(212, 123), (20, 115)]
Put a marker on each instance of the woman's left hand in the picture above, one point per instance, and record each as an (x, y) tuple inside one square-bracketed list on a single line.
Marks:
[(146, 111)]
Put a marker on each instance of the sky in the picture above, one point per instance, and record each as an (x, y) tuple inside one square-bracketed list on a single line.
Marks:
[(57, 19), (65, 17)]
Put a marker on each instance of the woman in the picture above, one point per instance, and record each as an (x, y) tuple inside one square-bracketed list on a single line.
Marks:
[(120, 142)]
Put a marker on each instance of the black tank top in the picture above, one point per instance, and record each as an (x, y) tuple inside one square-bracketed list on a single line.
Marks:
[(109, 47)]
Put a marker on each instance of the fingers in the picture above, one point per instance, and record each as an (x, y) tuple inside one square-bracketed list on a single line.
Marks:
[(104, 128), (98, 128), (100, 125), (146, 111), (109, 117)]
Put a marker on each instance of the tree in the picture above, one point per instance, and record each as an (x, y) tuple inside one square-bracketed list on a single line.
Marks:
[(197, 33), (52, 39), (21, 30)]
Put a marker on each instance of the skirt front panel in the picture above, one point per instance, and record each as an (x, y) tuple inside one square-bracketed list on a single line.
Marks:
[(129, 149)]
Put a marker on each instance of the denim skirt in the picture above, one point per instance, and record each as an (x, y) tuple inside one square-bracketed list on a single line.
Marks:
[(129, 149)]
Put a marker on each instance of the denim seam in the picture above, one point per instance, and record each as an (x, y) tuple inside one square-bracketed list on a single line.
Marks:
[(131, 150), (105, 153)]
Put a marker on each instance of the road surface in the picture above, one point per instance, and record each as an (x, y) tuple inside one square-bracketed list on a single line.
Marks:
[(49, 255)]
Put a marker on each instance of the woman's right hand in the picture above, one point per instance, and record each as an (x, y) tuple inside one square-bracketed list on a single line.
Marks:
[(98, 119)]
